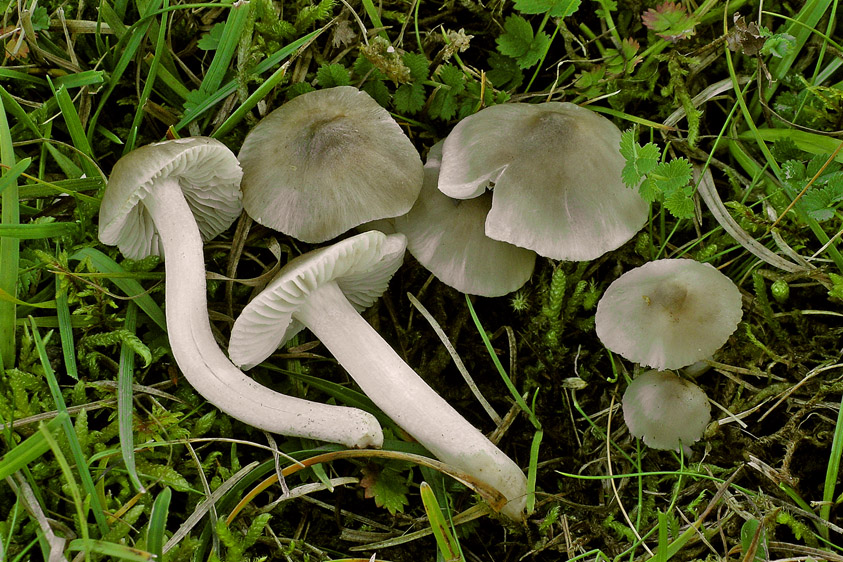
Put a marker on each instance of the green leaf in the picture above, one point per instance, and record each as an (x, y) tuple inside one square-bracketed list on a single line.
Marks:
[(331, 75), (211, 40), (669, 21), (779, 45), (837, 286), (673, 175), (640, 160), (517, 37), (504, 72), (519, 42), (443, 105), (453, 77), (679, 205), (556, 8), (387, 486), (409, 98), (418, 64)]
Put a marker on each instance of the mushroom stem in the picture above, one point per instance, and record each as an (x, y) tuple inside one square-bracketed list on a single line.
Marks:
[(406, 398), (205, 366)]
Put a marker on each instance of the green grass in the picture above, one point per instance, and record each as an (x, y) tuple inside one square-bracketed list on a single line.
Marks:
[(109, 456)]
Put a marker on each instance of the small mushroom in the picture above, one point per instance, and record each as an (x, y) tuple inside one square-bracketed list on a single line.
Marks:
[(164, 199), (447, 237), (664, 410), (324, 290), (325, 162), (555, 169), (668, 313)]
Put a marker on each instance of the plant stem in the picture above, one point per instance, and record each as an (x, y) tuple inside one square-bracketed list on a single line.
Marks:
[(206, 367), (406, 398)]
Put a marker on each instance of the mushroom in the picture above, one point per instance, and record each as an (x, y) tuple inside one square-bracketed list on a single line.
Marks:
[(447, 237), (324, 290), (325, 162), (555, 169), (668, 313), (163, 199), (664, 410)]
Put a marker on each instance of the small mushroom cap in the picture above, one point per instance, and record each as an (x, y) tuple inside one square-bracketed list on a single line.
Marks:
[(447, 237), (664, 410), (325, 162), (668, 313), (206, 170), (362, 267), (556, 170)]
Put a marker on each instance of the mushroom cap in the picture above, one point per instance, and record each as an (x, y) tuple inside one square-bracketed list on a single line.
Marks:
[(665, 410), (556, 170), (447, 237), (206, 170), (361, 266), (668, 313), (325, 162)]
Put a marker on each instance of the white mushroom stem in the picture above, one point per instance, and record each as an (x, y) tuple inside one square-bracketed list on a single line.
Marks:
[(406, 398), (203, 363)]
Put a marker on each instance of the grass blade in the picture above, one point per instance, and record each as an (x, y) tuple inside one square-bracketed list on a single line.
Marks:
[(68, 348), (31, 448), (70, 433), (9, 246), (150, 80), (448, 544), (507, 381), (229, 87), (111, 550), (832, 471), (229, 40), (125, 409), (158, 523), (130, 287)]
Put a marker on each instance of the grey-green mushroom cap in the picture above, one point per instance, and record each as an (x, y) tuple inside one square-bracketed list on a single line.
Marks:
[(555, 170), (668, 313), (447, 237), (664, 410), (205, 169), (325, 162), (361, 266)]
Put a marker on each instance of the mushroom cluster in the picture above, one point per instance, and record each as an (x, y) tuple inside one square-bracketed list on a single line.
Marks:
[(165, 199), (667, 314), (508, 183)]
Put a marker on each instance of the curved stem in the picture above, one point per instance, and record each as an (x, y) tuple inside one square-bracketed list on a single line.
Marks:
[(205, 366), (406, 398)]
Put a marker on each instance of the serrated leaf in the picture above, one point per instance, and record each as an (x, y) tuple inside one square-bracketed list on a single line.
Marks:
[(504, 72), (418, 64), (378, 90), (165, 474), (331, 75), (409, 98), (669, 21), (387, 486), (649, 190), (679, 204), (555, 8), (837, 285), (785, 149), (539, 46), (443, 105), (673, 175), (779, 45), (517, 37), (211, 40), (453, 77)]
